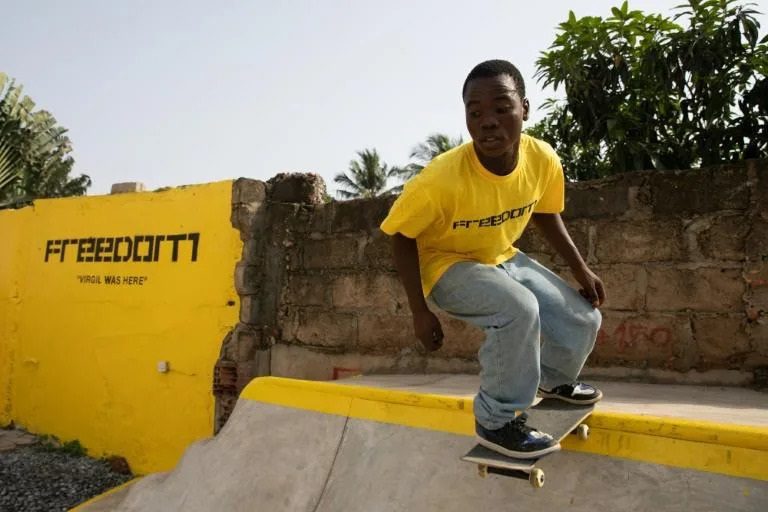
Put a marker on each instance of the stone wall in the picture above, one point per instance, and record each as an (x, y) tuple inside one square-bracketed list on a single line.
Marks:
[(684, 256)]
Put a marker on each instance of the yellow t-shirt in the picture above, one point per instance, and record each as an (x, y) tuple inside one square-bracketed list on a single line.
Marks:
[(459, 211)]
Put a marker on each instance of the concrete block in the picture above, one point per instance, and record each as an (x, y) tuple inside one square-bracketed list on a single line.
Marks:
[(249, 219), (758, 336), (305, 363), (248, 278), (624, 284), (377, 251), (321, 218), (284, 219), (756, 278), (307, 290), (700, 289), (759, 169), (722, 340), (247, 340), (360, 214), (548, 261), (695, 191), (327, 329), (288, 253), (262, 363), (253, 251), (639, 242), (245, 190), (250, 310), (462, 339), (600, 198), (756, 244), (302, 219), (373, 292), (331, 253), (127, 187), (382, 333), (579, 232), (256, 366), (311, 363), (723, 238), (642, 341), (306, 188), (386, 333), (532, 241)]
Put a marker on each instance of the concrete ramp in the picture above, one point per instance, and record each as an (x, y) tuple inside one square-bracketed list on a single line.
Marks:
[(323, 447), (266, 458)]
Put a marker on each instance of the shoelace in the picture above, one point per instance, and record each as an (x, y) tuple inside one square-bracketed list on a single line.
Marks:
[(570, 388), (521, 422)]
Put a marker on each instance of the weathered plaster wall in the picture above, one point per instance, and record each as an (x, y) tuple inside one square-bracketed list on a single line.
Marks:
[(684, 256)]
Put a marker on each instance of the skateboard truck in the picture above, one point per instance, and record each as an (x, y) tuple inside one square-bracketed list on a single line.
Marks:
[(535, 477)]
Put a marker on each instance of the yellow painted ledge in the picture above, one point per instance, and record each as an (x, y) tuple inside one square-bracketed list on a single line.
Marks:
[(733, 450), (103, 495)]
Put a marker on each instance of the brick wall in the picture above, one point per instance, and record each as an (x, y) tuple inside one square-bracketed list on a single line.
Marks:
[(684, 256)]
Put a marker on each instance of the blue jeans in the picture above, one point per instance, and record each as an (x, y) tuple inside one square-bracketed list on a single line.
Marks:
[(517, 304)]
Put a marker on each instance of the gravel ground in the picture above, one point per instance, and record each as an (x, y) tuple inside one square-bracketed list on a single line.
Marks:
[(33, 480)]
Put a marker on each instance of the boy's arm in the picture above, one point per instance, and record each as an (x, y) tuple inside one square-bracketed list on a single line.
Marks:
[(425, 323), (551, 225)]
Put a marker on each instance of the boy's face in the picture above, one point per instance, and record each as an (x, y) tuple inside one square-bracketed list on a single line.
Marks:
[(495, 113)]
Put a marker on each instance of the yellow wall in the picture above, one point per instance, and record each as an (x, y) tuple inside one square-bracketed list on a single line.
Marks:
[(85, 351), (12, 224)]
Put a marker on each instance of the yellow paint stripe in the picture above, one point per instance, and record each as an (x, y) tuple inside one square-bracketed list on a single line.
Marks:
[(720, 448), (263, 387), (444, 420), (713, 458), (103, 495), (681, 428)]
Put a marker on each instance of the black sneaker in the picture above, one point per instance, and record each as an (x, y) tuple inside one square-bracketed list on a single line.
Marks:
[(576, 393), (516, 439)]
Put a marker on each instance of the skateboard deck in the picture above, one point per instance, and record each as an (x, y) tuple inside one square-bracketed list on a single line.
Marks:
[(556, 418)]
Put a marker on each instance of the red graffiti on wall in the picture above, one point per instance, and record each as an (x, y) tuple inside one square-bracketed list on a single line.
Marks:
[(631, 334), (344, 373)]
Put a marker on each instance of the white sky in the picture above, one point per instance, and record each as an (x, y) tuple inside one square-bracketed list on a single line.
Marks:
[(173, 92)]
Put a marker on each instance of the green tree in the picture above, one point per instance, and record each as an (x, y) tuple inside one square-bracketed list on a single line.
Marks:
[(423, 153), (35, 158), (367, 176), (646, 92)]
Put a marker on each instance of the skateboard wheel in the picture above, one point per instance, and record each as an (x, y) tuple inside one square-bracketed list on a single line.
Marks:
[(537, 478), (482, 470), (583, 432)]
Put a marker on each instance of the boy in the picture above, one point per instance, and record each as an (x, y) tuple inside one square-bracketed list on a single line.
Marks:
[(453, 230)]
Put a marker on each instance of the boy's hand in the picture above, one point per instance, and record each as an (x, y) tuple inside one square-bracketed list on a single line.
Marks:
[(428, 330), (593, 289)]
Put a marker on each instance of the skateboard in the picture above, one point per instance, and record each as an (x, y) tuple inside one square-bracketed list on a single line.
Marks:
[(556, 418)]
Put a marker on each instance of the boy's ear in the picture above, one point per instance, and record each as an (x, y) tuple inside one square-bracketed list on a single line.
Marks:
[(526, 109)]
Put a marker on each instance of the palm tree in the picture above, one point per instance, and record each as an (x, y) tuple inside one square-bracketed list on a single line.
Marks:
[(35, 156), (366, 177), (436, 144)]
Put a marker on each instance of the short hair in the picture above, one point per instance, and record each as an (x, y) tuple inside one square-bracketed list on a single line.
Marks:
[(496, 67)]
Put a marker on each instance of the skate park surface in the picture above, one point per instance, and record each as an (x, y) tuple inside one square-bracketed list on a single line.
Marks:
[(394, 442)]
